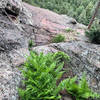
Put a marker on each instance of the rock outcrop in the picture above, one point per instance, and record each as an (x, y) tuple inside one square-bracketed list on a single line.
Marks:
[(20, 23), (85, 57), (50, 23)]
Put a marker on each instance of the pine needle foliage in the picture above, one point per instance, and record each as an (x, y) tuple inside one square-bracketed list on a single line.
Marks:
[(41, 73), (94, 34), (80, 90)]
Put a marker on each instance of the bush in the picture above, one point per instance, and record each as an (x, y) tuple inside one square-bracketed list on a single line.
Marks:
[(41, 73), (80, 90), (58, 38), (94, 34)]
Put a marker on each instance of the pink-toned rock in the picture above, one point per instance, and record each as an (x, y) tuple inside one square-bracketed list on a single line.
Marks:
[(50, 22)]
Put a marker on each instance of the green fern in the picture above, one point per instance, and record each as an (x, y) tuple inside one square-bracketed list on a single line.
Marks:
[(41, 73), (80, 91)]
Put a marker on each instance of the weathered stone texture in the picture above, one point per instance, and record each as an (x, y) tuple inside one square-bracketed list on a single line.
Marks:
[(21, 22)]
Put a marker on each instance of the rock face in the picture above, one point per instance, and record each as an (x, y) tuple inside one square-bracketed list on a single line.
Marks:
[(21, 22), (13, 48), (85, 57)]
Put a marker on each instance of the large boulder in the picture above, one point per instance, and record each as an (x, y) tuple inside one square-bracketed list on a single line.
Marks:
[(49, 23), (21, 22), (13, 47), (84, 57)]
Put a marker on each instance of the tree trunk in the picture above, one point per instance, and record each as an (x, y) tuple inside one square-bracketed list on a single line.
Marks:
[(94, 15)]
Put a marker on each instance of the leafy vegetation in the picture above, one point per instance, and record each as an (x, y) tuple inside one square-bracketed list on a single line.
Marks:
[(80, 90), (81, 10), (94, 34), (78, 32), (41, 73), (69, 30), (58, 38), (30, 44)]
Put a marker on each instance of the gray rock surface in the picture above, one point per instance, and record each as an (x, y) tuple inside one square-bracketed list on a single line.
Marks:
[(21, 22), (85, 57), (13, 48), (49, 23)]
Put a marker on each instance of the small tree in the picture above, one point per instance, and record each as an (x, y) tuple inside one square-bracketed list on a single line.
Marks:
[(94, 15)]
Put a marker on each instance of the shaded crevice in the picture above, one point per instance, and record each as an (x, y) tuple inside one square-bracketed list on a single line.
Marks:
[(10, 12)]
